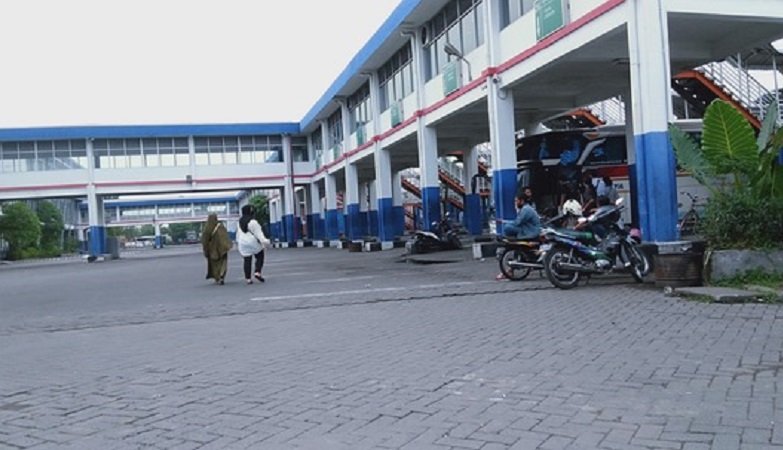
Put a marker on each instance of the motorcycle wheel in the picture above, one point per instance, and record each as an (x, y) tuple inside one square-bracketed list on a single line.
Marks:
[(640, 265), (560, 279), (418, 246), (454, 241), (514, 273)]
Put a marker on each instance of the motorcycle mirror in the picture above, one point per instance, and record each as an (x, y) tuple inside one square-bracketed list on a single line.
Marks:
[(619, 201)]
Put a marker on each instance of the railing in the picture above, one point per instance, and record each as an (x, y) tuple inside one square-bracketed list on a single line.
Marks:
[(611, 111), (742, 86)]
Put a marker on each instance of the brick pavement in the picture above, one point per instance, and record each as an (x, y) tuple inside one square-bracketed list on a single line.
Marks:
[(501, 366)]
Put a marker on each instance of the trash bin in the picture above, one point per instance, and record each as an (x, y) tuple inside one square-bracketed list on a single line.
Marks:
[(679, 263)]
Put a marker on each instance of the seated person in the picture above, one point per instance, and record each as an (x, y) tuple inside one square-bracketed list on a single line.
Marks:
[(527, 225)]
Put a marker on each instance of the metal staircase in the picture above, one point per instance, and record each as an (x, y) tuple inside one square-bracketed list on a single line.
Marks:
[(729, 81)]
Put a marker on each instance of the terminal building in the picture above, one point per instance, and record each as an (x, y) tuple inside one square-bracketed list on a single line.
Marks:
[(441, 81)]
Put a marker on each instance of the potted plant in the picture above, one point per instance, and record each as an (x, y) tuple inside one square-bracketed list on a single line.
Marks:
[(743, 218)]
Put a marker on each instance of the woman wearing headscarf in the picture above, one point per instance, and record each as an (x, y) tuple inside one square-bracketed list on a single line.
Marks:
[(216, 244), (251, 242)]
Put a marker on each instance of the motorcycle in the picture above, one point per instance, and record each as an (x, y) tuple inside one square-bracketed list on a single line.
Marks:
[(594, 248), (517, 258), (443, 237)]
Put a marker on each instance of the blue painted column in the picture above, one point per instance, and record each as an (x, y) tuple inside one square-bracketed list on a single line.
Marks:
[(353, 224), (97, 238), (398, 210), (428, 175), (331, 226), (385, 191), (652, 159), (471, 213), (314, 222), (501, 126)]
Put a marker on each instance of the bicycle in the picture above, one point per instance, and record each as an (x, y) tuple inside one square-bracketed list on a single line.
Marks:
[(689, 223)]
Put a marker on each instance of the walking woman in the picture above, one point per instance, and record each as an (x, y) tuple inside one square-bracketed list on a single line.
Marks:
[(216, 244), (251, 243)]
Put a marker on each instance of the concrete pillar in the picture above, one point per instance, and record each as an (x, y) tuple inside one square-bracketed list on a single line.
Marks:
[(97, 237), (158, 235), (427, 140), (290, 228), (314, 219), (331, 225), (372, 209), (398, 210), (472, 205), (501, 125), (351, 201), (654, 164)]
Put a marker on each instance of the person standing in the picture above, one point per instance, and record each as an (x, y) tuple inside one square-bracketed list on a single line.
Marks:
[(251, 243), (216, 245)]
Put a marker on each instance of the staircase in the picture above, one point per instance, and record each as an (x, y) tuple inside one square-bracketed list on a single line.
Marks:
[(728, 81)]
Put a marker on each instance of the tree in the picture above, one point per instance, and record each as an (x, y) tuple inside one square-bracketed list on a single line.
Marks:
[(261, 206), (52, 227), (179, 231), (21, 229)]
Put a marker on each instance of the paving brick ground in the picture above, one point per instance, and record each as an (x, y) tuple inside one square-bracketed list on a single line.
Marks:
[(477, 365)]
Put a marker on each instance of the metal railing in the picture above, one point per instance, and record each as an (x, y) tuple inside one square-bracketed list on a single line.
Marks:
[(741, 86), (611, 110)]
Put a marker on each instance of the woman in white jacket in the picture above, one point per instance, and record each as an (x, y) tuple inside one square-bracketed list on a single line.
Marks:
[(251, 242)]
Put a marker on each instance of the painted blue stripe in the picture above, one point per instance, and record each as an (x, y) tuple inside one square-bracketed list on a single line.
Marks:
[(332, 224), (388, 30), (386, 220), (430, 201), (504, 189), (97, 240), (472, 213), (398, 217), (656, 184), (147, 131), (372, 222), (289, 230), (353, 222)]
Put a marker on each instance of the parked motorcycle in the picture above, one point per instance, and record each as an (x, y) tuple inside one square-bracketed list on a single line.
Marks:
[(517, 258), (594, 248), (443, 237)]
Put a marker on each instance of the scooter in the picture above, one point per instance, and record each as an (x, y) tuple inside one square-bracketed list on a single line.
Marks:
[(594, 247), (443, 237)]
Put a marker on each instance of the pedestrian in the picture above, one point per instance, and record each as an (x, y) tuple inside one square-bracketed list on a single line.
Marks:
[(528, 191), (216, 245), (609, 190), (251, 243)]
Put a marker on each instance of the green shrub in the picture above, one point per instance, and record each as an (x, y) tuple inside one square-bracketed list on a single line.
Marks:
[(20, 227), (740, 219)]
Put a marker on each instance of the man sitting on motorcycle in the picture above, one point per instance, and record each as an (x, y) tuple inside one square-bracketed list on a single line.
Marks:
[(527, 225)]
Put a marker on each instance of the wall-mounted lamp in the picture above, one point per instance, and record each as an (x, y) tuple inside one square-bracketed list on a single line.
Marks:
[(451, 50)]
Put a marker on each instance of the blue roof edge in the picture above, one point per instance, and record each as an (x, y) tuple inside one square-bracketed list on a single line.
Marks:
[(143, 131), (400, 13)]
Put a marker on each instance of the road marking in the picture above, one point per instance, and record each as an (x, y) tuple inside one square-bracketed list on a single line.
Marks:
[(340, 280), (366, 291)]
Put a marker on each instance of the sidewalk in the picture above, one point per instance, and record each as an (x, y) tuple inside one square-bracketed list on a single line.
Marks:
[(124, 254)]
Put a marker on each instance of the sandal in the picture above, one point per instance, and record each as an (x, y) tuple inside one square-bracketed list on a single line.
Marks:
[(259, 277), (249, 281)]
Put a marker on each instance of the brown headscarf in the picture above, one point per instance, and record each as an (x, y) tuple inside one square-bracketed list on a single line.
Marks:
[(214, 239)]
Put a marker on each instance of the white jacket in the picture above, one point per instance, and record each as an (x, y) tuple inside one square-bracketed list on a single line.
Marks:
[(253, 241)]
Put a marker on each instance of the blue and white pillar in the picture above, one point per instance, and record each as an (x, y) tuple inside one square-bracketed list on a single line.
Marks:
[(372, 209), (384, 190), (501, 126), (289, 195), (351, 201), (158, 235), (97, 238), (652, 162), (331, 226), (472, 207), (398, 209), (314, 220)]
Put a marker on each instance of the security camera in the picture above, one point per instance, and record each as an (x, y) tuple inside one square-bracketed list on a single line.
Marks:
[(496, 78)]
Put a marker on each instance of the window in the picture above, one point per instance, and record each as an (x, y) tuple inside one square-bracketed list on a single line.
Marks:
[(359, 105), (460, 22), (395, 77), (335, 129), (514, 9)]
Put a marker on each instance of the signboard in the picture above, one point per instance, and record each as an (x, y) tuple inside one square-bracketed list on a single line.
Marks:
[(550, 17), (395, 111), (451, 77)]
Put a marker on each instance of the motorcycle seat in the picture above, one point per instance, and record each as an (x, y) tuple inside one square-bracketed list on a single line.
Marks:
[(573, 234)]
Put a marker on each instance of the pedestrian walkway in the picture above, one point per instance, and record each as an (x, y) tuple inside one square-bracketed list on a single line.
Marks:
[(397, 356)]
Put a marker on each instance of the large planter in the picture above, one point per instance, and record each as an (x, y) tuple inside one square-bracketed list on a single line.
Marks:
[(730, 263)]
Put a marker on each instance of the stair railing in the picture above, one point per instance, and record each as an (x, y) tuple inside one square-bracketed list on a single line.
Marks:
[(611, 110), (740, 84)]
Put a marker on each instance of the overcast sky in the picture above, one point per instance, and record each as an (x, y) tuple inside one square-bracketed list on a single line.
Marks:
[(109, 62)]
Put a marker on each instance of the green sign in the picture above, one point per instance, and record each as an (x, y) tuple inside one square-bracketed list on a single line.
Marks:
[(395, 111), (451, 78), (336, 151), (550, 17), (360, 137)]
